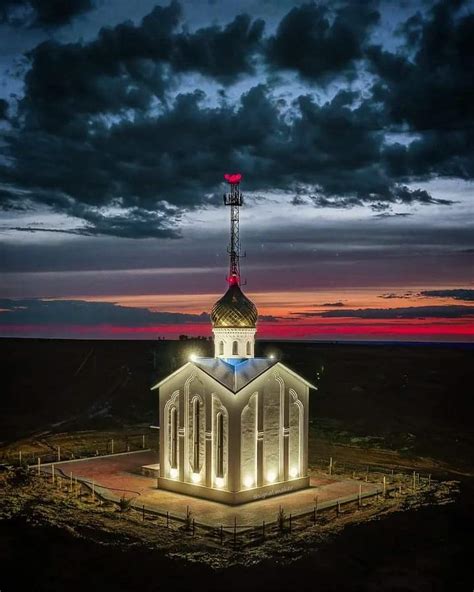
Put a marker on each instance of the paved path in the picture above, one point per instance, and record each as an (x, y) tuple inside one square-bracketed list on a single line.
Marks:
[(121, 474)]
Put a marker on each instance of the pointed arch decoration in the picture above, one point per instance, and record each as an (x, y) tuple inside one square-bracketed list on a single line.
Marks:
[(296, 435)]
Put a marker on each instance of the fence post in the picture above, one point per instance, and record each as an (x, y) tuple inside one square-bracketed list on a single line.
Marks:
[(52, 473), (112, 446), (330, 465), (70, 482), (143, 512), (19, 457), (384, 486), (360, 495), (338, 507), (143, 441), (167, 519), (429, 480), (59, 453), (414, 481), (367, 474)]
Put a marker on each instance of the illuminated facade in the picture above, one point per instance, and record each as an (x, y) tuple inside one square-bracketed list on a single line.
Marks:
[(233, 428)]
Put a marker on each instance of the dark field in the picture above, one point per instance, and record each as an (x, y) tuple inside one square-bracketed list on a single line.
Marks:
[(373, 401), (417, 400)]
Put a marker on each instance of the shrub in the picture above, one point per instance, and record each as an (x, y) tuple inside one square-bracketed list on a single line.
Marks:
[(125, 503), (20, 476)]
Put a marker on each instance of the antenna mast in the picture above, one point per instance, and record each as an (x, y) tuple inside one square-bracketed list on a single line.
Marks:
[(234, 200)]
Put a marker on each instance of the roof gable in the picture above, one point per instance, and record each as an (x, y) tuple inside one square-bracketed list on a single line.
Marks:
[(234, 376)]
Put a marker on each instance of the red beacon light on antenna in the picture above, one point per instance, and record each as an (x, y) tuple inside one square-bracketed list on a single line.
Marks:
[(233, 178)]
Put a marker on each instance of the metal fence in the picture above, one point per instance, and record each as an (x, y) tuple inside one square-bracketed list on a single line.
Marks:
[(236, 534), (57, 453)]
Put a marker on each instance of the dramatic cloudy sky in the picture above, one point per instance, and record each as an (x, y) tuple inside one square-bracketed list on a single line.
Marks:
[(352, 122)]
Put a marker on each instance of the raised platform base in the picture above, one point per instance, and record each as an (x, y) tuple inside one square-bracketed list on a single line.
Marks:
[(233, 497), (151, 470)]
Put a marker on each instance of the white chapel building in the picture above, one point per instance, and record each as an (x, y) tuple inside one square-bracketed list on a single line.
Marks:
[(233, 428)]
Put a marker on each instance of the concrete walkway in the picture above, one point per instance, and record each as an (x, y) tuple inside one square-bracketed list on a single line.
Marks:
[(119, 475)]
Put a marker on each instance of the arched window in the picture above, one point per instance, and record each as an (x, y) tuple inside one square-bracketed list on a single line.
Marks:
[(196, 425), (235, 348), (221, 348), (174, 438), (220, 446), (248, 348)]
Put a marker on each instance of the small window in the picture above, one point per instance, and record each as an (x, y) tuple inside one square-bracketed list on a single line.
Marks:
[(248, 348), (235, 348), (221, 348), (220, 446)]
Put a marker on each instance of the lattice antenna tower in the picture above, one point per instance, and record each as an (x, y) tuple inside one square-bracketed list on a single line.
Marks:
[(234, 199)]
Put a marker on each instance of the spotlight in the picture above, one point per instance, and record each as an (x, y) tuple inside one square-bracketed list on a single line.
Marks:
[(173, 473), (195, 477), (192, 357), (219, 482), (293, 472), (248, 481), (271, 476)]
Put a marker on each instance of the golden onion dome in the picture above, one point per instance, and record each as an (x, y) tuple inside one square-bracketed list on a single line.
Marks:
[(234, 309)]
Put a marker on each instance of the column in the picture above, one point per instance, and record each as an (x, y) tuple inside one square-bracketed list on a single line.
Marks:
[(286, 434), (208, 432), (260, 435)]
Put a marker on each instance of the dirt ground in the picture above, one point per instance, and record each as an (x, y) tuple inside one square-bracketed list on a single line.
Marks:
[(36, 502)]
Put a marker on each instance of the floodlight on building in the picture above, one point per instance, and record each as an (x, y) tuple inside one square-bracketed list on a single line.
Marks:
[(174, 473), (219, 482), (271, 476), (293, 472), (248, 481), (272, 356), (195, 477), (193, 357)]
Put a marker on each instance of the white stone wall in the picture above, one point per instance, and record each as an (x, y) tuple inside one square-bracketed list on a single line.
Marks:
[(265, 434), (226, 340), (296, 431), (272, 430), (248, 445), (196, 471), (218, 408)]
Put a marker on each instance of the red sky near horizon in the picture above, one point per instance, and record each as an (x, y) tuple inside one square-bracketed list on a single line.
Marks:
[(286, 308)]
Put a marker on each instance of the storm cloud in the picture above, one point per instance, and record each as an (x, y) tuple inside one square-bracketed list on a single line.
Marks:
[(319, 45), (409, 312), (464, 294), (77, 312), (106, 134), (42, 13)]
